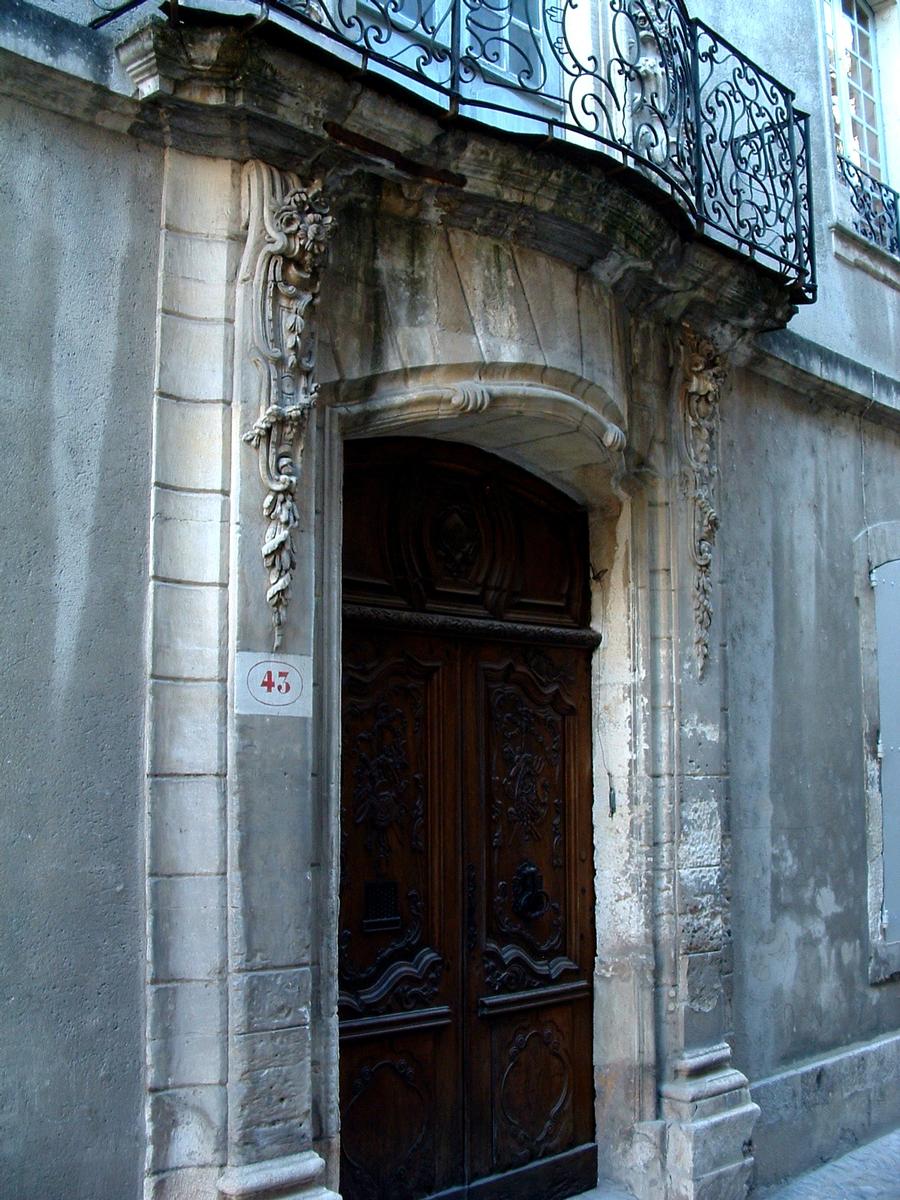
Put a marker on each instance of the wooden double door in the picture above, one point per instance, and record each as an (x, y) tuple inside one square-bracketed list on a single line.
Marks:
[(466, 919)]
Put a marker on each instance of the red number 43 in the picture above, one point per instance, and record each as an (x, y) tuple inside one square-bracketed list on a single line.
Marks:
[(282, 686)]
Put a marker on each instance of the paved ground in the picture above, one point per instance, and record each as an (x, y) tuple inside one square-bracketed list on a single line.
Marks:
[(870, 1173)]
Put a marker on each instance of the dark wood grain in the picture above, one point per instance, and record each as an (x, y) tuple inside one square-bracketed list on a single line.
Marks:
[(466, 919)]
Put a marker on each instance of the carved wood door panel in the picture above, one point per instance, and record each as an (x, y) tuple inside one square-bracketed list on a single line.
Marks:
[(466, 898), (399, 969), (466, 918), (529, 964)]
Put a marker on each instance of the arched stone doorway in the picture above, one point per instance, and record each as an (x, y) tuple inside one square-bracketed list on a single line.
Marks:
[(466, 900)]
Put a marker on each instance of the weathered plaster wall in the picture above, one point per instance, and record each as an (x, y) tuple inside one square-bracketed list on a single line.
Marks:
[(797, 485), (80, 214)]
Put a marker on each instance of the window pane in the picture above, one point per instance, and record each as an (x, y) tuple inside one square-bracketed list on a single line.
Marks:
[(857, 142), (855, 104), (874, 154)]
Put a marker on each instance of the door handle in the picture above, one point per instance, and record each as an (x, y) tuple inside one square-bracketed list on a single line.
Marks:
[(529, 900)]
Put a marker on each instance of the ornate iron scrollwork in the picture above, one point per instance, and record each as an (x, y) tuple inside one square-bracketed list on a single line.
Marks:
[(876, 205), (645, 84)]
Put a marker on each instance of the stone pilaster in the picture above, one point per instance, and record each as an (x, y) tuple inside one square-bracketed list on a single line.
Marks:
[(272, 827), (186, 764), (705, 1102)]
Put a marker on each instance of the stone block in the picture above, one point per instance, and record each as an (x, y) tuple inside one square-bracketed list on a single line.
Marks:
[(186, 834), (516, 431), (270, 1097), (274, 1048), (703, 981), (455, 335), (195, 358), (264, 1000), (701, 741), (272, 915), (709, 1146), (660, 580), (187, 928), (600, 352), (701, 909), (187, 730), (187, 1128), (191, 444), (189, 639), (354, 298), (186, 1025), (700, 835), (190, 536), (661, 647), (562, 453), (729, 1183), (186, 1183), (201, 195), (551, 290), (503, 322), (291, 1176), (197, 278)]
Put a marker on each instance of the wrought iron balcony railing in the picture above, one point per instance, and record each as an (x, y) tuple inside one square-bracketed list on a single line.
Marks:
[(638, 80), (876, 205)]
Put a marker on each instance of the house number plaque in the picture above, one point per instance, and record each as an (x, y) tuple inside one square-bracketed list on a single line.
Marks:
[(273, 685)]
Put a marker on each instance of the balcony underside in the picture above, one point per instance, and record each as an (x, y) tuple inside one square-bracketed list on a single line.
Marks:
[(635, 87)]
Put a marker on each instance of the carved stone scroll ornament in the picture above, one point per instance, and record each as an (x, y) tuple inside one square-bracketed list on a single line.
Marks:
[(703, 373), (289, 229)]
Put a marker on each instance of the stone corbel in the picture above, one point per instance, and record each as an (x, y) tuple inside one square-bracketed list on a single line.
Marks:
[(702, 375), (289, 230)]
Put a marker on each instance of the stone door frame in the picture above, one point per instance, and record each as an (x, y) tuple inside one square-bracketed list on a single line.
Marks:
[(243, 811), (446, 403)]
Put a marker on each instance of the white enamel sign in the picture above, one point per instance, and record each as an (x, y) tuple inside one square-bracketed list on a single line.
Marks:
[(278, 685)]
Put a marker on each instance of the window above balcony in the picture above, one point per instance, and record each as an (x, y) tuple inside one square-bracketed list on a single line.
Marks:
[(855, 89), (852, 29)]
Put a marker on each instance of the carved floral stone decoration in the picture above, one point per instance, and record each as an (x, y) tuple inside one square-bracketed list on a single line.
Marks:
[(703, 373), (296, 228)]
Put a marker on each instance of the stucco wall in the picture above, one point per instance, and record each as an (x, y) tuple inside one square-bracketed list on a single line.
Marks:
[(80, 214), (797, 485)]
